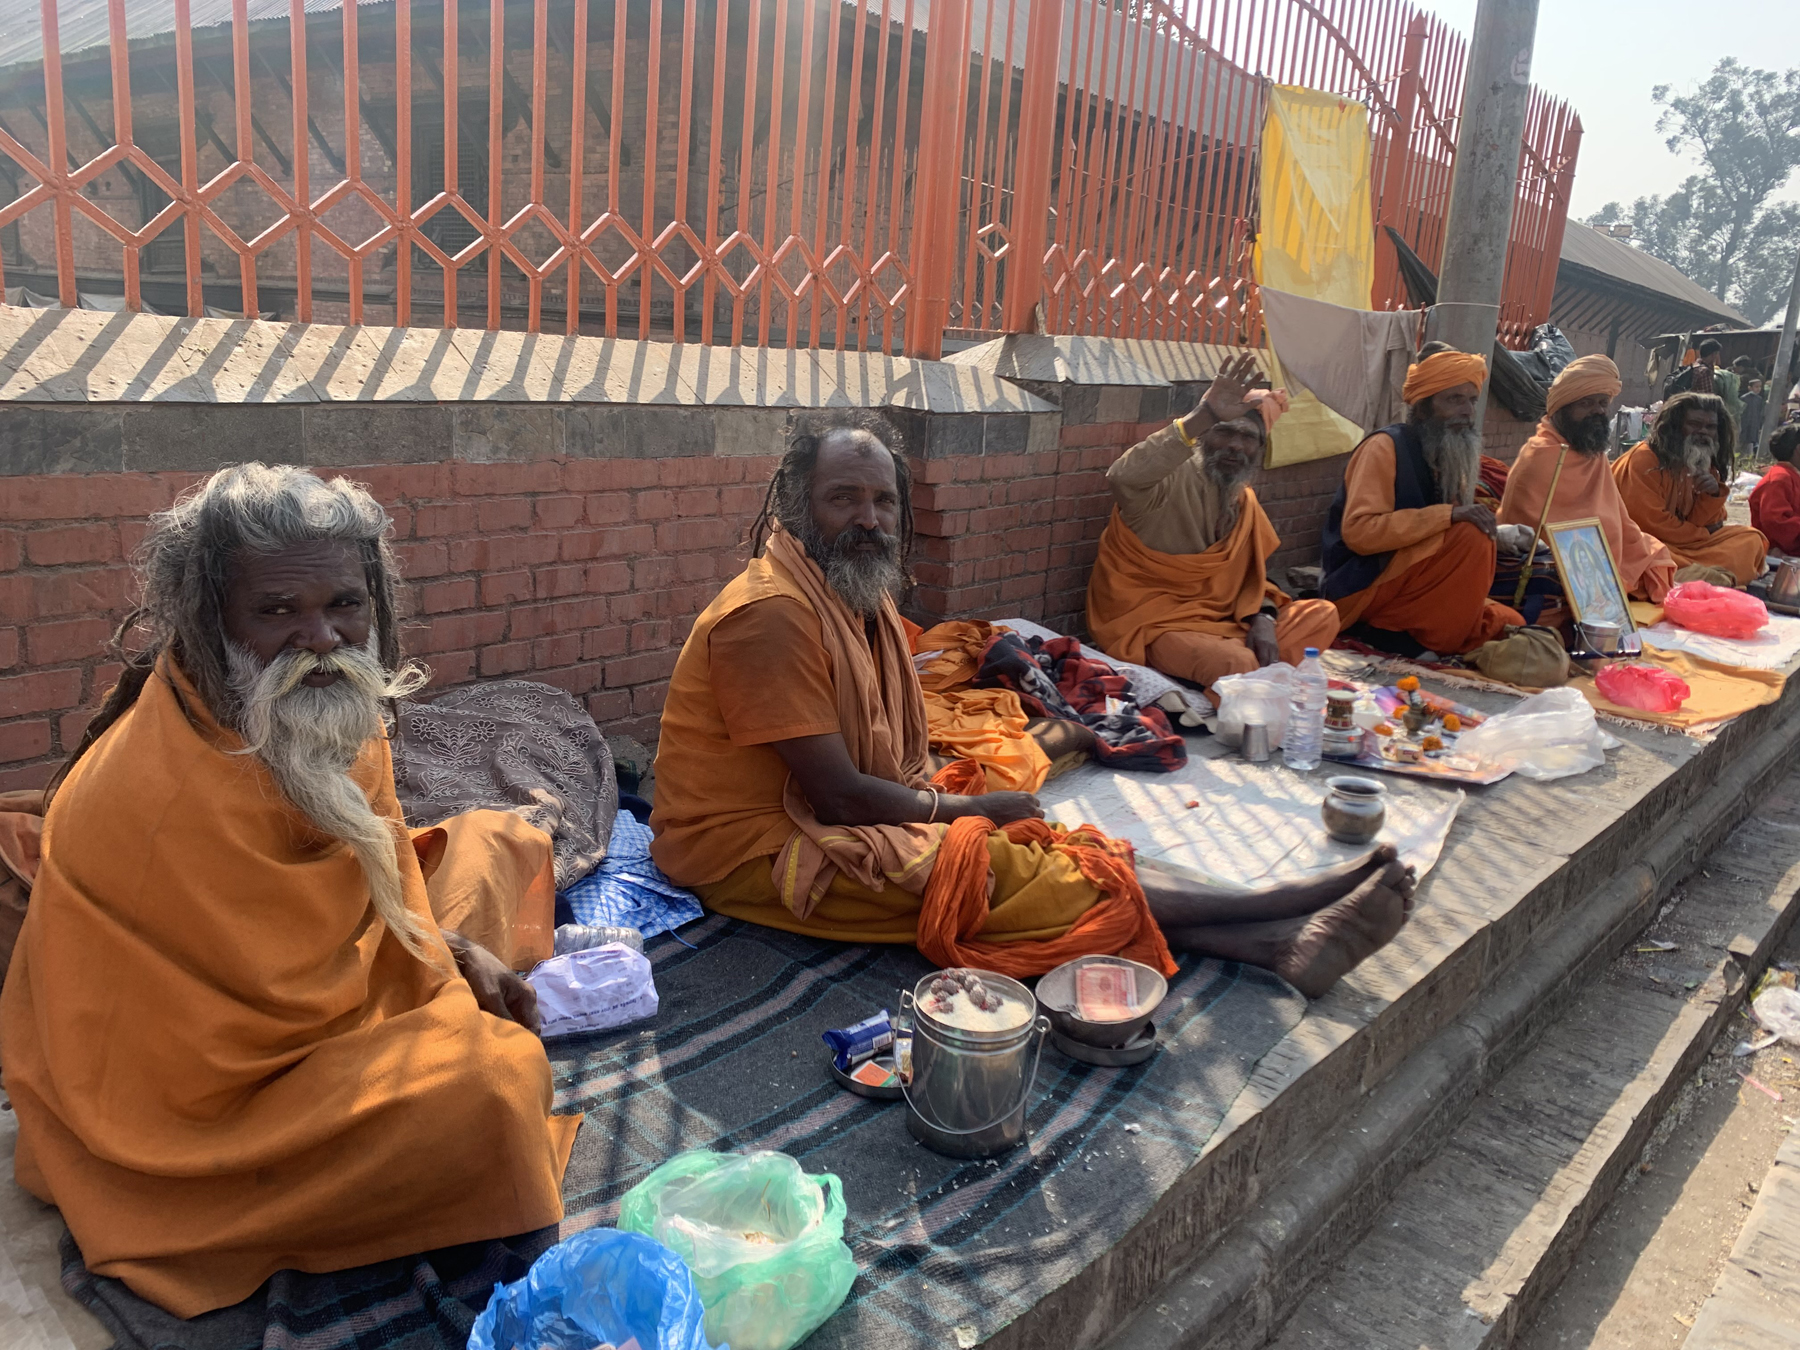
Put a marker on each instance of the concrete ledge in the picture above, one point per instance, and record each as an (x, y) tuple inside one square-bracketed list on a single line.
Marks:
[(1538, 887), (87, 356)]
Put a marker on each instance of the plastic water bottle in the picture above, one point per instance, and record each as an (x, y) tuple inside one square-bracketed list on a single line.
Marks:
[(1306, 715)]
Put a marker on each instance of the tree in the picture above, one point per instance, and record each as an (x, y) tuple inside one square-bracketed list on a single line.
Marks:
[(1718, 227)]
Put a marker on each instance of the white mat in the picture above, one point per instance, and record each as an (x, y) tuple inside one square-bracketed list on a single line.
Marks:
[(1771, 649), (1147, 685), (1255, 823)]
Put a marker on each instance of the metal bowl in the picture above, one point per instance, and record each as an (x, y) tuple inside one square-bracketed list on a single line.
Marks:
[(1056, 997)]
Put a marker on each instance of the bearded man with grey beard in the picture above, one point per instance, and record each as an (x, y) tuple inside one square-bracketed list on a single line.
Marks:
[(1408, 552), (236, 1038), (1675, 484), (1181, 582), (792, 785)]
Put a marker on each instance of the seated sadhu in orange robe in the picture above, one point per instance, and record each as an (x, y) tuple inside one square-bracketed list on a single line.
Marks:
[(1407, 549), (236, 1038), (1569, 450), (791, 788), (1675, 483), (1181, 582)]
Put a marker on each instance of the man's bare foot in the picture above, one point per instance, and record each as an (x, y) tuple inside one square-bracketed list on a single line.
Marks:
[(1337, 939), (1334, 883), (1058, 736)]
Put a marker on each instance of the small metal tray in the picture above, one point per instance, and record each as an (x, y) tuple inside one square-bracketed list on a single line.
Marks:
[(885, 1060), (1139, 1049)]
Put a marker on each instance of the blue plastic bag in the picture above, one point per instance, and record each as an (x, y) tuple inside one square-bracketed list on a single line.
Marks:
[(598, 1287)]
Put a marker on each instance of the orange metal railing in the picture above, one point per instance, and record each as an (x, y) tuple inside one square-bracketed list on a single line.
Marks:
[(850, 173)]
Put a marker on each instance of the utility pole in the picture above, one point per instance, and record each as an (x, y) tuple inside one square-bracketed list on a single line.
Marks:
[(1775, 406), (1478, 224)]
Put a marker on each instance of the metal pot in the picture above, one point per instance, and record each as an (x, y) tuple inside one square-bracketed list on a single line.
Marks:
[(1784, 586), (1600, 637), (1353, 811), (968, 1091)]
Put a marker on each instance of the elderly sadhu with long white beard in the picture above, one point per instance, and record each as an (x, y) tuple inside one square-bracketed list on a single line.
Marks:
[(242, 1029), (1408, 552)]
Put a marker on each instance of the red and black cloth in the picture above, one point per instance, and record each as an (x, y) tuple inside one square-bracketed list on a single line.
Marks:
[(1053, 679)]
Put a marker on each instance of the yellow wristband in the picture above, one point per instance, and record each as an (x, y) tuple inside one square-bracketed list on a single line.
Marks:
[(1182, 431)]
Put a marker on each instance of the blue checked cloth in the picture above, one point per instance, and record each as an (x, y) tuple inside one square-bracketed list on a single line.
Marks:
[(628, 889)]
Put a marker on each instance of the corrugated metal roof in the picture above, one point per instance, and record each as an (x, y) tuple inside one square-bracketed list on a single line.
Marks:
[(1586, 247), (81, 24)]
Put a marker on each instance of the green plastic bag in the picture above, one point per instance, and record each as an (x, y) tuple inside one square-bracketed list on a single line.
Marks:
[(764, 1240)]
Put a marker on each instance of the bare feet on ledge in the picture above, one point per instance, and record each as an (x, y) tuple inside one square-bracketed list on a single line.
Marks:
[(1331, 943)]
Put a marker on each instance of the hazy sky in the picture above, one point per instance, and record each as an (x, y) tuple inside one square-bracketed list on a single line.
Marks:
[(1605, 56)]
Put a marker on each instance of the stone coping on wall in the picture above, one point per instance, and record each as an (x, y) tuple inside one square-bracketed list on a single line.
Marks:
[(1118, 362), (87, 356)]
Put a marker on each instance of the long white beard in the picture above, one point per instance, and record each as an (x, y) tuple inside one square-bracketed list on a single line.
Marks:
[(1699, 451), (309, 738), (1454, 456)]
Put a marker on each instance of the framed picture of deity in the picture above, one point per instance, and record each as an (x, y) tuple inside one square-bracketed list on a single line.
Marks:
[(1591, 584)]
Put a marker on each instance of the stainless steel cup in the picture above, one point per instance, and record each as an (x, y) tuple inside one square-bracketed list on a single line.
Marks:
[(1256, 741), (1600, 637)]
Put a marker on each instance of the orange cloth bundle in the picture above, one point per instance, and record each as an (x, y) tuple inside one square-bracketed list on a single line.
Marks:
[(955, 903), (988, 727)]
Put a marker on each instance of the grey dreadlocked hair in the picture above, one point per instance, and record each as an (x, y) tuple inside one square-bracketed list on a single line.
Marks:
[(789, 495), (185, 563)]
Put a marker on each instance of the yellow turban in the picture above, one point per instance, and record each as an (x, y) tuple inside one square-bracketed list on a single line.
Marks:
[(1444, 371), (1583, 376)]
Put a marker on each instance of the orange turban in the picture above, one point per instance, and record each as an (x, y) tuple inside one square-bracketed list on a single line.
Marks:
[(1267, 404), (1443, 371), (1583, 376)]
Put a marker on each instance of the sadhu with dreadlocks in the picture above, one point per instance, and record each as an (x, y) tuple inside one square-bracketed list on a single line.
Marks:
[(1675, 483), (234, 1034), (791, 786)]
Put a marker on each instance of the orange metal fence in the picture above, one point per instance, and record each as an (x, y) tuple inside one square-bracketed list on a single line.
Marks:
[(851, 173)]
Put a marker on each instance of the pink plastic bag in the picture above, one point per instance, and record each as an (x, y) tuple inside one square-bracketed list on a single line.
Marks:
[(1716, 610), (1650, 688)]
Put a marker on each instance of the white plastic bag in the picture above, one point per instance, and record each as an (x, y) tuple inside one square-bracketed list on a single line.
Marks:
[(1778, 1009), (1549, 735), (1261, 695), (593, 990)]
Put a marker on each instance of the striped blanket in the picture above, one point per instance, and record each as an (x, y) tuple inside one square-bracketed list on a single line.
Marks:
[(949, 1251)]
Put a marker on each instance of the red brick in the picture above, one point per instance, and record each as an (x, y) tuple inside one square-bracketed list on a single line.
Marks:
[(90, 591), (741, 501), (697, 566), (9, 647), (431, 559), (26, 779), (564, 616), (401, 482), (645, 729), (401, 518), (693, 470), (554, 582), (620, 541), (650, 635), (491, 480), (647, 699), (504, 513), (609, 706), (551, 652), (678, 536), (71, 544), (597, 644), (505, 588), (54, 644), (505, 659), (653, 504), (558, 513), (45, 691), (12, 550), (453, 631), (640, 669), (653, 573), (697, 502), (440, 597), (435, 519), (23, 740), (69, 729), (603, 475), (607, 578), (501, 552), (100, 681), (577, 680), (448, 668), (610, 508)]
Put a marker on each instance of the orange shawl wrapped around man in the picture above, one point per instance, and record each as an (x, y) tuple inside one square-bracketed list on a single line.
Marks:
[(223, 1063)]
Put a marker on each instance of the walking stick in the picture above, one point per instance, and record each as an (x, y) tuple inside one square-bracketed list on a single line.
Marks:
[(1531, 552)]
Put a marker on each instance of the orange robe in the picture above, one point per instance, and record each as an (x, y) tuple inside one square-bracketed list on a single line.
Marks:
[(1775, 506), (1187, 614), (222, 1062), (1435, 587), (1585, 489), (1670, 509)]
